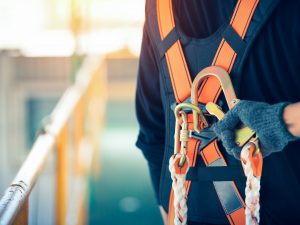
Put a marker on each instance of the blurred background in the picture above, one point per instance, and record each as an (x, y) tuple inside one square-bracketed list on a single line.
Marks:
[(44, 46)]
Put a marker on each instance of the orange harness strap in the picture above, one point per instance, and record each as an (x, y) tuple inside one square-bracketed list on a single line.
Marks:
[(209, 90), (225, 55), (179, 73)]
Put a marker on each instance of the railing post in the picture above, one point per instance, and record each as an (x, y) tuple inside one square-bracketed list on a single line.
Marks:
[(79, 116), (22, 217), (12, 207), (85, 99), (62, 176), (78, 133), (95, 116)]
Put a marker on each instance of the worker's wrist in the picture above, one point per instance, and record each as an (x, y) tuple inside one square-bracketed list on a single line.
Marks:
[(291, 118), (271, 127)]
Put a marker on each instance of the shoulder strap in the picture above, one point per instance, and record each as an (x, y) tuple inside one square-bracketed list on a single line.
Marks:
[(224, 57), (226, 54), (179, 73)]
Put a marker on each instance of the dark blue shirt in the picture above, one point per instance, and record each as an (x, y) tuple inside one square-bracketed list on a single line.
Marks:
[(271, 74)]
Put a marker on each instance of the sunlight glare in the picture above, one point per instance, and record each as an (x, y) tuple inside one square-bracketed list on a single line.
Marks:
[(41, 27)]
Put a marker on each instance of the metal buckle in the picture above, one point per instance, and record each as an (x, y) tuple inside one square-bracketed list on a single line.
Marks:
[(206, 136)]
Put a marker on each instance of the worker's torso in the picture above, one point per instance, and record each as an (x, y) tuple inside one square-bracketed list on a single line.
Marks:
[(269, 72)]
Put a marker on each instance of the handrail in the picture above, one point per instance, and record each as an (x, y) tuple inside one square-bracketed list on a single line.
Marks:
[(73, 107)]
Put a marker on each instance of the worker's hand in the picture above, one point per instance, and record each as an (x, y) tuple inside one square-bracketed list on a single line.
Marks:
[(266, 120)]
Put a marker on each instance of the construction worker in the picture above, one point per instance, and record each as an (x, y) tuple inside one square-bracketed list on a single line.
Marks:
[(265, 72)]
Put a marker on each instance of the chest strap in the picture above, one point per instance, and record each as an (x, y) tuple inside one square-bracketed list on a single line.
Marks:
[(231, 44)]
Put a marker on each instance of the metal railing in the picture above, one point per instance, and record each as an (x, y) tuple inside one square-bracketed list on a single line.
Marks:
[(73, 130)]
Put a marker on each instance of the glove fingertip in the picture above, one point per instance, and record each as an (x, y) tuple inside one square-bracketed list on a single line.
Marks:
[(227, 137), (236, 152), (217, 128)]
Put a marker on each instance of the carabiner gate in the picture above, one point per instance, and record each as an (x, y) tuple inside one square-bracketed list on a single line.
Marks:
[(226, 85)]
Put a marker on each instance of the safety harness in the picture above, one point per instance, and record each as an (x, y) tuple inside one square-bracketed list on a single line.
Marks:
[(179, 163), (206, 88)]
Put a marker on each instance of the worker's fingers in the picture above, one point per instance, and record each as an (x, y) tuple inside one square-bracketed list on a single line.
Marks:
[(227, 137), (236, 152), (229, 122), (228, 140)]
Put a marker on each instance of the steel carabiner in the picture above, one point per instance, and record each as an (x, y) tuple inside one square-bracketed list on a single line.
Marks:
[(226, 85), (181, 129), (242, 135), (225, 82)]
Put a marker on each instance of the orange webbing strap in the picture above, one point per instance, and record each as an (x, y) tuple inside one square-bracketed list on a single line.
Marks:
[(209, 91), (225, 55), (235, 208), (179, 73)]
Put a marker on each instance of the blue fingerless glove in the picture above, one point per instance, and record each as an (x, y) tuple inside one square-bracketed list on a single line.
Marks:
[(265, 119)]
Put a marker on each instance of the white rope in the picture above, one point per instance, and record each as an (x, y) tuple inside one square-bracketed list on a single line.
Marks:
[(179, 190), (251, 191)]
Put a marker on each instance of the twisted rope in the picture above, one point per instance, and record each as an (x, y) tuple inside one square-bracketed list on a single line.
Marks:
[(251, 191), (179, 190)]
